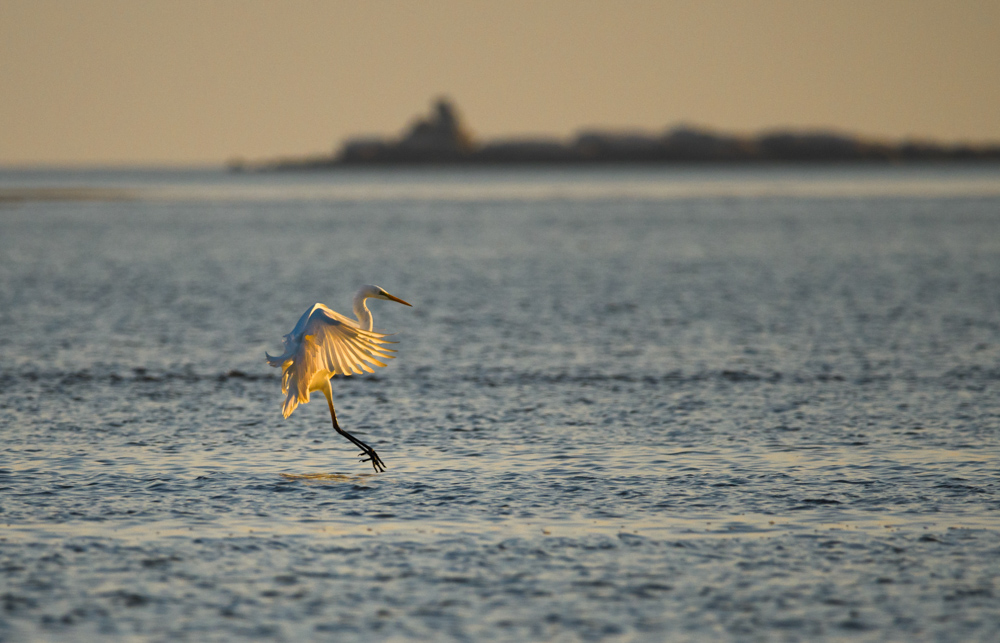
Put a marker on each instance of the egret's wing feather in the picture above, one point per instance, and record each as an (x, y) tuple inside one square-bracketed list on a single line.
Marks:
[(322, 344), (332, 314), (360, 360), (336, 344), (339, 362), (291, 402), (375, 345), (359, 357), (349, 360), (291, 343), (286, 375), (356, 355)]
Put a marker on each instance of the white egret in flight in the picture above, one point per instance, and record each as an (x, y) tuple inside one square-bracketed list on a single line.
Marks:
[(324, 343)]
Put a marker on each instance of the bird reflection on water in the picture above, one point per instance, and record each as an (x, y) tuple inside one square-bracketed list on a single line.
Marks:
[(327, 477)]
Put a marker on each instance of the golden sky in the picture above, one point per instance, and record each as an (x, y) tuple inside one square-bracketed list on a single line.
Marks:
[(202, 81)]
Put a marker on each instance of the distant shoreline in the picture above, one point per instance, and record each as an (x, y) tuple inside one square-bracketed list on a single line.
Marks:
[(23, 195), (440, 140)]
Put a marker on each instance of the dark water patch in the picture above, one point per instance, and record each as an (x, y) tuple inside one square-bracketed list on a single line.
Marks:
[(136, 375)]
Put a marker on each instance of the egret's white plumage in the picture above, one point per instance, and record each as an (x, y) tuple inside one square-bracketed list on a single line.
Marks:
[(324, 343)]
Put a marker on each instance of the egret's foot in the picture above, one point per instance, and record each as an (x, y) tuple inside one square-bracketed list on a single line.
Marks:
[(371, 456)]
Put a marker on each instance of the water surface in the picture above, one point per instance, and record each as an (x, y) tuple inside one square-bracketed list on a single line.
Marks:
[(627, 405)]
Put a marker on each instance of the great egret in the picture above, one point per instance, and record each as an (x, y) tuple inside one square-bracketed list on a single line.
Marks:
[(324, 343)]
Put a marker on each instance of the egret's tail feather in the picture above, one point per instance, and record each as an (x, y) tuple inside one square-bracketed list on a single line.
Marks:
[(275, 361), (291, 402), (295, 388)]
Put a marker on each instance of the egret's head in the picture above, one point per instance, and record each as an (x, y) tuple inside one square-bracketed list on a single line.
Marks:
[(376, 292)]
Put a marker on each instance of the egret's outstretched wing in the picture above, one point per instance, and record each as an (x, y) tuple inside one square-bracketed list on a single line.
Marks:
[(324, 344)]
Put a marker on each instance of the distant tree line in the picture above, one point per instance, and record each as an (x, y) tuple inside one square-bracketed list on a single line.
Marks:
[(441, 139)]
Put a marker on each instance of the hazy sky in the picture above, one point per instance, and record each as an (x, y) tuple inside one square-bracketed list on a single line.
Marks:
[(201, 81)]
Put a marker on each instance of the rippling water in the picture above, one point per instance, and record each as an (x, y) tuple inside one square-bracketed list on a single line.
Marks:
[(627, 405)]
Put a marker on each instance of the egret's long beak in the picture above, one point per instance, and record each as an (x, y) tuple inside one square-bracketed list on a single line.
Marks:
[(393, 298)]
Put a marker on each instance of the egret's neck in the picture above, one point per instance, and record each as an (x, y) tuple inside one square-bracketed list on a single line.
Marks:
[(361, 312)]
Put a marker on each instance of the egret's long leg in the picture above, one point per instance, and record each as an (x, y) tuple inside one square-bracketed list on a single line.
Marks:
[(376, 461)]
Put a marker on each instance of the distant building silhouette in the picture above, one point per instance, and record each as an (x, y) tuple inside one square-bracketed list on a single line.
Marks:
[(441, 133), (524, 151), (441, 138), (633, 147), (819, 146), (685, 143)]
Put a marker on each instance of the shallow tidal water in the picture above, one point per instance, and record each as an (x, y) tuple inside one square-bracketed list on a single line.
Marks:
[(634, 405)]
